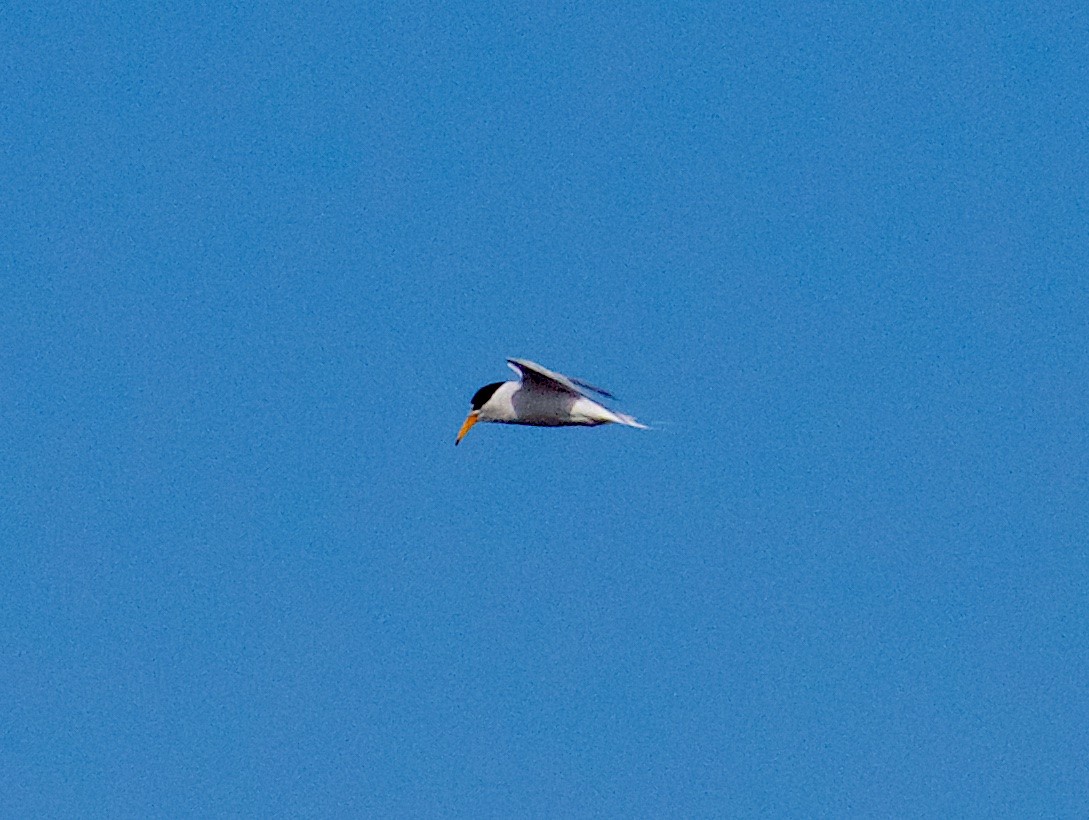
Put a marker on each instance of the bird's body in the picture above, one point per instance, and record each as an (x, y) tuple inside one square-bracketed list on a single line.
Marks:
[(541, 398)]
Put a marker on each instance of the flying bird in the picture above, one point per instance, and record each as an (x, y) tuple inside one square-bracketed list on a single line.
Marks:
[(543, 399)]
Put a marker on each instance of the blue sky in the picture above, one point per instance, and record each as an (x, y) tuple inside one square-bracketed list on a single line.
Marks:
[(258, 258)]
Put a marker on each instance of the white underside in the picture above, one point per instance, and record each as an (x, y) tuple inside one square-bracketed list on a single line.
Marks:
[(517, 403)]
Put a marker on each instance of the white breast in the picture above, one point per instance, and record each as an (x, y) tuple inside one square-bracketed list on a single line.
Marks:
[(500, 406)]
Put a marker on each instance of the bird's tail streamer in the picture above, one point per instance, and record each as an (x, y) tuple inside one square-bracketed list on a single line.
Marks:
[(630, 422)]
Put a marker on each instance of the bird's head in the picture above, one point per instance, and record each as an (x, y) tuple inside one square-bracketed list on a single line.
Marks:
[(480, 398)]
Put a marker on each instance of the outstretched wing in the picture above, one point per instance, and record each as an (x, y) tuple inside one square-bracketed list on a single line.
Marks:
[(587, 386), (544, 378)]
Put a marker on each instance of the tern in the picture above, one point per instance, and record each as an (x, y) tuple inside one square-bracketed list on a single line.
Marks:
[(543, 399)]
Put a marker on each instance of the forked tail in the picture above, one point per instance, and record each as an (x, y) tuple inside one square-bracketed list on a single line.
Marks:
[(628, 421)]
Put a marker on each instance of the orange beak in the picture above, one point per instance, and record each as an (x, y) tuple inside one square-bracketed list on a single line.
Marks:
[(472, 419)]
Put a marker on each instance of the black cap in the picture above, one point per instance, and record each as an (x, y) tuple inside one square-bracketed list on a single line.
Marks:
[(481, 396)]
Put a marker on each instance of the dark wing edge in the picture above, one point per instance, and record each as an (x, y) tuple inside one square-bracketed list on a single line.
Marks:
[(531, 371), (592, 388), (542, 377)]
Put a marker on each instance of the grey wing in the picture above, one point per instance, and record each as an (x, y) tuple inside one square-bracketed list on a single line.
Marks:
[(587, 386), (543, 377)]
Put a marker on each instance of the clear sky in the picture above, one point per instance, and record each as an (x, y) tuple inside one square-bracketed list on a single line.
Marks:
[(257, 258)]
